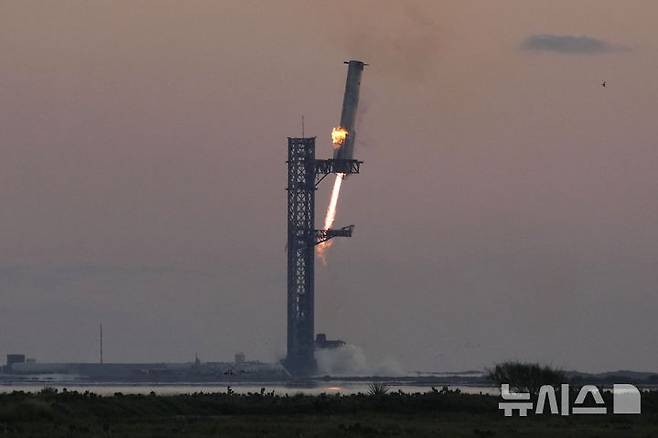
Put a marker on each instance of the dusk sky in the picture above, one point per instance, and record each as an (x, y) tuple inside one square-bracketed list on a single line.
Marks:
[(507, 207)]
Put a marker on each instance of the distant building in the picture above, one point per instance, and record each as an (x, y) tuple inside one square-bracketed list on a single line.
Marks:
[(14, 359)]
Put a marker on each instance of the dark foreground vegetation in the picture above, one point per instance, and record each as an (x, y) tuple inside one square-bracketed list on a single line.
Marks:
[(381, 413), (526, 377)]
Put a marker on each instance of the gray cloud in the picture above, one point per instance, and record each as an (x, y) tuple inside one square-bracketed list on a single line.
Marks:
[(568, 44)]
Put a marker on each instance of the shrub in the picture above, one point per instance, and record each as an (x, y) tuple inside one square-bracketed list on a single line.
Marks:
[(377, 389), (526, 377)]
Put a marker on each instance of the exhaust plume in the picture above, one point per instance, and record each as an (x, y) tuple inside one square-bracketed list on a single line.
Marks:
[(351, 360), (331, 214)]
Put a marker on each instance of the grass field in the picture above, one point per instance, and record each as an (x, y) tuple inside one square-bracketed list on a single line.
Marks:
[(433, 414)]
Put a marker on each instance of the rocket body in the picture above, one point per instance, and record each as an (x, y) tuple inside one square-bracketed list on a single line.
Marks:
[(345, 151)]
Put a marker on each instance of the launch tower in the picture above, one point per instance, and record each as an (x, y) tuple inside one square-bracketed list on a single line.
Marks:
[(305, 173)]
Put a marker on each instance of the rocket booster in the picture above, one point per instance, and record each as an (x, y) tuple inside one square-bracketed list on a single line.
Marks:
[(345, 151)]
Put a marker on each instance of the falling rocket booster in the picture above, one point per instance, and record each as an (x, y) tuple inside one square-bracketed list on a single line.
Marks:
[(344, 136)]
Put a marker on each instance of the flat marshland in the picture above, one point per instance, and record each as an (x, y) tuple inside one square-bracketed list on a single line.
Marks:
[(262, 414)]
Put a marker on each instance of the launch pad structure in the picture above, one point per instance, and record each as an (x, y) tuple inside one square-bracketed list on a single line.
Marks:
[(305, 173)]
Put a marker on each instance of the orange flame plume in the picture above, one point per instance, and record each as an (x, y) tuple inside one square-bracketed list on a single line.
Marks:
[(331, 213), (338, 136)]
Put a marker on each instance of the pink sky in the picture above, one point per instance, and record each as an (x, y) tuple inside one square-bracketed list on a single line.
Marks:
[(507, 206)]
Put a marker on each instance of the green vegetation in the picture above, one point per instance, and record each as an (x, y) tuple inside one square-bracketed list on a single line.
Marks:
[(264, 414)]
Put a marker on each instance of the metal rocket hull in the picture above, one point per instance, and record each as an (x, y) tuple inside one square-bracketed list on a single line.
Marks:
[(350, 108)]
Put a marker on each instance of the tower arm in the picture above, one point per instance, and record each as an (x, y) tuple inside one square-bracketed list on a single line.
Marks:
[(333, 165), (324, 235)]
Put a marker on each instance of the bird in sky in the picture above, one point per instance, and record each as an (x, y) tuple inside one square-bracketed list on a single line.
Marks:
[(604, 84)]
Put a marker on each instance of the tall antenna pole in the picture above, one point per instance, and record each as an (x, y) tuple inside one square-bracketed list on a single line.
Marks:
[(101, 339)]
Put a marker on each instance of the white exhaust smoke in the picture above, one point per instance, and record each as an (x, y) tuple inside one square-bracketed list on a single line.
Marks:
[(351, 360)]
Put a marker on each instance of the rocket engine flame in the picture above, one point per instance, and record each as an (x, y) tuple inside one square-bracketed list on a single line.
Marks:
[(331, 210), (338, 136), (331, 213)]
